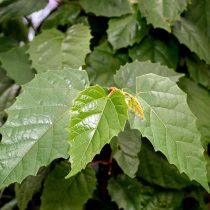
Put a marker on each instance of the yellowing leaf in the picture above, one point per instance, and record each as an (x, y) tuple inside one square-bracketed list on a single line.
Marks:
[(131, 102)]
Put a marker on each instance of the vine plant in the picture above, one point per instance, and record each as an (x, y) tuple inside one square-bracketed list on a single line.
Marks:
[(107, 107)]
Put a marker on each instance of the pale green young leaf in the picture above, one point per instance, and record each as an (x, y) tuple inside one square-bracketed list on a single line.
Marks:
[(30, 186), (155, 169), (156, 50), (162, 14), (170, 125), (125, 149), (108, 8), (35, 132), (52, 50), (102, 64), (17, 65), (67, 194), (95, 119), (193, 29), (126, 76), (129, 194), (126, 30), (199, 102)]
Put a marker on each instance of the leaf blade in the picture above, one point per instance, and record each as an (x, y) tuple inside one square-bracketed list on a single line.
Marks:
[(91, 126)]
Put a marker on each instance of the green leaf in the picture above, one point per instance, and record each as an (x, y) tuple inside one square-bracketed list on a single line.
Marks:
[(199, 102), (30, 186), (162, 14), (155, 169), (35, 132), (95, 119), (156, 50), (125, 149), (126, 76), (126, 30), (193, 29), (53, 50), (170, 125), (199, 71), (8, 91), (132, 195), (6, 43), (17, 65), (67, 194), (64, 14), (20, 8), (102, 64), (108, 8)]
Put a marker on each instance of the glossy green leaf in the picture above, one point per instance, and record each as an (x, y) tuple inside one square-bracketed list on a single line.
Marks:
[(30, 186), (67, 194), (126, 30), (108, 8), (199, 71), (155, 169), (199, 102), (193, 29), (35, 132), (132, 195), (156, 50), (170, 125), (54, 50), (95, 119), (125, 149), (126, 76), (102, 64), (162, 14), (20, 8), (17, 65)]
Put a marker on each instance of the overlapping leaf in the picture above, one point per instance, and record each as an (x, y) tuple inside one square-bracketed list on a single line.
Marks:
[(155, 169), (95, 119), (35, 132), (102, 64), (193, 29), (53, 50), (162, 14), (125, 148), (126, 30), (132, 195), (199, 71), (107, 8), (26, 190), (20, 8), (67, 194), (17, 65), (156, 50), (199, 102), (126, 76), (170, 125)]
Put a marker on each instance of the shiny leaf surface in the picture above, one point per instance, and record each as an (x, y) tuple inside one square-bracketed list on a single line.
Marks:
[(95, 119), (35, 132)]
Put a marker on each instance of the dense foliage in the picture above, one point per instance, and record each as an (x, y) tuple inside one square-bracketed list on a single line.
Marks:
[(107, 107)]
